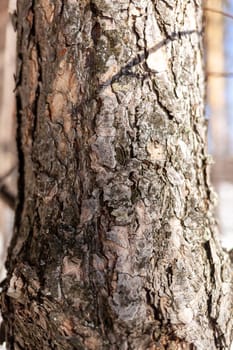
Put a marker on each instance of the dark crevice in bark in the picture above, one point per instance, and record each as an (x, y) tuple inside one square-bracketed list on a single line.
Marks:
[(167, 4), (156, 312), (169, 275), (161, 104), (94, 9), (35, 107), (21, 178), (210, 259), (161, 23), (213, 323), (219, 337), (62, 7)]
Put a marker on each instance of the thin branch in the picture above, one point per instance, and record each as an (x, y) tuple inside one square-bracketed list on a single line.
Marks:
[(7, 174), (225, 14), (5, 194), (220, 74)]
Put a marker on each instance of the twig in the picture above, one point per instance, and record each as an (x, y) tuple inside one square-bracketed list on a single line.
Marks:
[(225, 14), (8, 173), (220, 74), (5, 194)]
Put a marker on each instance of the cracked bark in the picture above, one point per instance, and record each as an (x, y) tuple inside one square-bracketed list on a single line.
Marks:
[(115, 243)]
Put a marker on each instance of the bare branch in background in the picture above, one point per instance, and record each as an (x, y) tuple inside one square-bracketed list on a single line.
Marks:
[(5, 194), (223, 13), (220, 74)]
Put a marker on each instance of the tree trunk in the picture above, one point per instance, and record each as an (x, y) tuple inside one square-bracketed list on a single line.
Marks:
[(115, 244), (216, 86)]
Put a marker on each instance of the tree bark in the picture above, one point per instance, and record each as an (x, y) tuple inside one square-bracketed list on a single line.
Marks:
[(115, 243)]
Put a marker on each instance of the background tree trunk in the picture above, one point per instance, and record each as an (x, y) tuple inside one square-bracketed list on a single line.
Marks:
[(216, 86), (115, 244), (7, 128)]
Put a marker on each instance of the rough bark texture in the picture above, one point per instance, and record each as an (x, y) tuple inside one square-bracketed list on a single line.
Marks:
[(115, 244)]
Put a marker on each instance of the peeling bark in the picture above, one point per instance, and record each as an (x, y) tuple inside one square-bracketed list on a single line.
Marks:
[(115, 243)]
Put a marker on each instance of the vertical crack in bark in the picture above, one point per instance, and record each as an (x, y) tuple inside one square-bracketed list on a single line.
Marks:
[(156, 313), (219, 337)]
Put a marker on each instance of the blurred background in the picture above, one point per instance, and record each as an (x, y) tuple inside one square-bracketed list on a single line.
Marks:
[(8, 159), (219, 112), (219, 108)]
